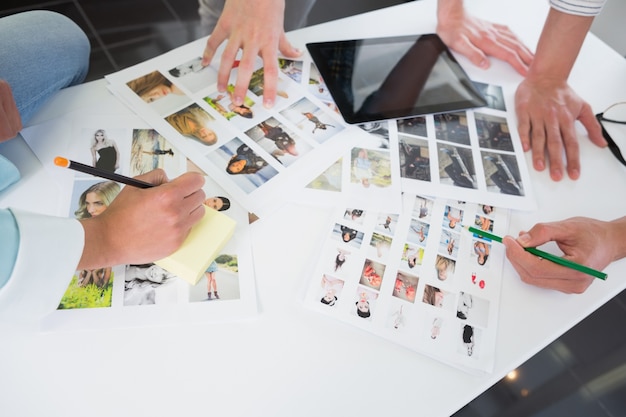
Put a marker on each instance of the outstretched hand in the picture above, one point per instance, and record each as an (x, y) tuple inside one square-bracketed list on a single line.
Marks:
[(10, 120), (478, 39), (256, 27), (144, 225), (546, 111), (587, 241)]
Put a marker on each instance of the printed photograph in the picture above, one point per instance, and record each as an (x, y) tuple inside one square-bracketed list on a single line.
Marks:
[(365, 303), (414, 158), (193, 76), (220, 281), (247, 169), (370, 167), (456, 166), (331, 290), (330, 179), (405, 287), (159, 92), (412, 254), (502, 174), (493, 132), (422, 208), (149, 284), (493, 95), (195, 123), (348, 235), (279, 141), (149, 151), (291, 68), (452, 127), (372, 274), (415, 126), (312, 120)]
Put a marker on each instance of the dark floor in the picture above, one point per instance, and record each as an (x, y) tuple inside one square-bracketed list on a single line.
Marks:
[(583, 373)]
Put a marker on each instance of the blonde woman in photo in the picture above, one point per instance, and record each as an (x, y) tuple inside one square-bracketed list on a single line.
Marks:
[(192, 121), (104, 152)]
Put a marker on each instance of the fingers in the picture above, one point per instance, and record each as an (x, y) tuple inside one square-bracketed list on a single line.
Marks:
[(188, 184), (227, 63), (10, 120), (589, 121), (287, 49), (543, 273), (270, 78), (155, 177), (215, 40)]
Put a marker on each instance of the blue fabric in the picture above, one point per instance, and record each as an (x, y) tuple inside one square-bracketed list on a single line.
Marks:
[(41, 52), (8, 173), (10, 245)]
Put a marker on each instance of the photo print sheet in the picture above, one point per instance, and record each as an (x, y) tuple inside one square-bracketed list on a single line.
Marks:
[(144, 295), (365, 175), (255, 153), (417, 278), (473, 155)]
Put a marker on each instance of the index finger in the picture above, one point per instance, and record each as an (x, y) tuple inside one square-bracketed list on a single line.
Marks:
[(188, 183), (214, 41), (270, 76), (155, 177)]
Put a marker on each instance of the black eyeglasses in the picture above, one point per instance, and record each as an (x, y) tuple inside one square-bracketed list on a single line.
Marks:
[(615, 113)]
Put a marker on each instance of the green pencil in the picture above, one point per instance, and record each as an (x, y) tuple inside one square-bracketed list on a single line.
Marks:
[(544, 255)]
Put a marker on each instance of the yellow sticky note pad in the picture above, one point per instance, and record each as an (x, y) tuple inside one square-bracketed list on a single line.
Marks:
[(204, 243)]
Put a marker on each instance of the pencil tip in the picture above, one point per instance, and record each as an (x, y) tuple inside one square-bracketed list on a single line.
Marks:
[(62, 162)]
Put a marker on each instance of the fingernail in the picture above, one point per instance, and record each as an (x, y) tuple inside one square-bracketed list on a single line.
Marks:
[(484, 64), (238, 101), (268, 104), (523, 239), (539, 165)]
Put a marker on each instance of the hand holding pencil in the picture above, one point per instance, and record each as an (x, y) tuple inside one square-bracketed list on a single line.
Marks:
[(586, 241), (148, 220)]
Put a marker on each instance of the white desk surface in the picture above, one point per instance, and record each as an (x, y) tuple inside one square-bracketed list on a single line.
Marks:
[(290, 361)]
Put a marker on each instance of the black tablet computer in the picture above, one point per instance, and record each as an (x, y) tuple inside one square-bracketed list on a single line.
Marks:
[(394, 77)]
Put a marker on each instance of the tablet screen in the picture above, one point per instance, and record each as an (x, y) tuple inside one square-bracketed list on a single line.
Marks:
[(392, 78)]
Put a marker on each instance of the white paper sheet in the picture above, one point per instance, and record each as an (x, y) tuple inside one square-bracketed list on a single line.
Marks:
[(145, 295), (416, 278)]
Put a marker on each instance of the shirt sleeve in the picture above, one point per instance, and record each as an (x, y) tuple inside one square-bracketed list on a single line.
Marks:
[(8, 173), (579, 7), (49, 251), (10, 243)]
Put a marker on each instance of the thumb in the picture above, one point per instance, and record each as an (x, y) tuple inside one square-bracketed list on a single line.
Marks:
[(287, 49), (474, 54), (589, 121), (513, 248)]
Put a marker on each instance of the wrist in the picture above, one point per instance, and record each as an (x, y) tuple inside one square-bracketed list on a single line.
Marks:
[(97, 252), (447, 9), (617, 237)]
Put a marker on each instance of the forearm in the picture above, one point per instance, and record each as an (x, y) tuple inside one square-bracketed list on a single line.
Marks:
[(559, 45)]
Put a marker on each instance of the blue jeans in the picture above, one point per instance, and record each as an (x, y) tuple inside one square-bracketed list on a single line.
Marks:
[(41, 52)]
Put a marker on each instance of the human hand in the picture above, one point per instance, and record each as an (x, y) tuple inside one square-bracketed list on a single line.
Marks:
[(547, 109), (256, 27), (476, 38), (10, 120), (589, 242), (144, 225)]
